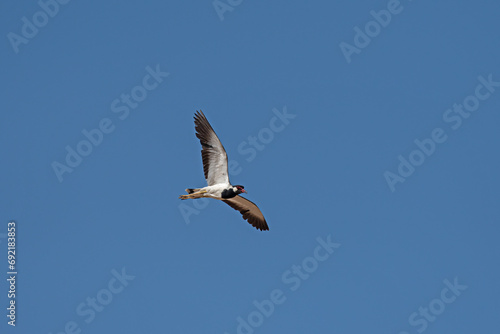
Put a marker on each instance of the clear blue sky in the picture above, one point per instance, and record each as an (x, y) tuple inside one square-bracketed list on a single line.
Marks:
[(376, 93)]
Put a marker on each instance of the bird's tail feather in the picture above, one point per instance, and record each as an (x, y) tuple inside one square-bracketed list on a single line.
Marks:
[(190, 191)]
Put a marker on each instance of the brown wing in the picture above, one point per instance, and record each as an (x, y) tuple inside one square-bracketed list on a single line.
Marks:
[(213, 153), (249, 210)]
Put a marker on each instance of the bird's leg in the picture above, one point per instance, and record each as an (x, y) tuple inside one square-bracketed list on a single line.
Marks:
[(197, 194)]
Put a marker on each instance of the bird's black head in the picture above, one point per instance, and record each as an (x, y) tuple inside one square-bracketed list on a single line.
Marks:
[(240, 189)]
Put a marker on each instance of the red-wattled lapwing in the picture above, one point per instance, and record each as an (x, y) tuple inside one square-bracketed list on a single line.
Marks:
[(215, 167)]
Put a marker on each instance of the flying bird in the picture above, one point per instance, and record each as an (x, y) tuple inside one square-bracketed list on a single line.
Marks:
[(214, 159)]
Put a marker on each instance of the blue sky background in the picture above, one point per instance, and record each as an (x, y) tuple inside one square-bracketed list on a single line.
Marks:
[(322, 175)]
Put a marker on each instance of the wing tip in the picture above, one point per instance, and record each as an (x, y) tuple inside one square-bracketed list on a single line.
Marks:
[(258, 223), (199, 114), (263, 226)]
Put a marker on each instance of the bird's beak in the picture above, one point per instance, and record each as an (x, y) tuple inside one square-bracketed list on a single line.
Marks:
[(243, 191)]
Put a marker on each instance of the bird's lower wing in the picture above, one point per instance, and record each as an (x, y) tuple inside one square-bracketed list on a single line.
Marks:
[(249, 210)]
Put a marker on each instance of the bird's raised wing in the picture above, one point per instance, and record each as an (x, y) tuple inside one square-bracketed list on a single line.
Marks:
[(213, 153), (249, 210)]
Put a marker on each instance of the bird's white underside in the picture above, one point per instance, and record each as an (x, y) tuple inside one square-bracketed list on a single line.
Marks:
[(215, 190)]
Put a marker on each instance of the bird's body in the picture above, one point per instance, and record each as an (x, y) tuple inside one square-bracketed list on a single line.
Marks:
[(215, 167), (218, 191)]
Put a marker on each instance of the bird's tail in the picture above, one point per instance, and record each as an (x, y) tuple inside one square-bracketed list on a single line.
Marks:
[(190, 191)]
